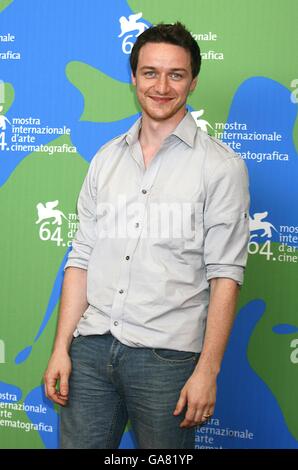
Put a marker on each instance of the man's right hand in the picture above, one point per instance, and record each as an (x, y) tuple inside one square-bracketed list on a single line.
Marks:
[(59, 368)]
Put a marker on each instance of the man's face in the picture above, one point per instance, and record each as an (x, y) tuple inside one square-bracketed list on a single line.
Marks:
[(163, 80)]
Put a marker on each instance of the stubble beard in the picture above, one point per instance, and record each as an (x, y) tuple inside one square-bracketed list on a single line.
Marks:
[(161, 115)]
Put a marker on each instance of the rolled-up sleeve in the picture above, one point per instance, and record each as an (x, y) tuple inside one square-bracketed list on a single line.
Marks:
[(85, 237), (226, 221)]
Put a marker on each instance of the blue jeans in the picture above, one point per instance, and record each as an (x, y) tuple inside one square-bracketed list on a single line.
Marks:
[(111, 383)]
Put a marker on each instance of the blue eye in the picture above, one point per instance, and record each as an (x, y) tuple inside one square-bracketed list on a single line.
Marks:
[(176, 76), (150, 74)]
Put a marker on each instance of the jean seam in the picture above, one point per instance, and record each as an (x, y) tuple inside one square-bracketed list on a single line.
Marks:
[(173, 361), (113, 421)]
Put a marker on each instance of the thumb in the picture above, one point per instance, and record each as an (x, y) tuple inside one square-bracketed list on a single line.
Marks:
[(180, 404), (64, 385)]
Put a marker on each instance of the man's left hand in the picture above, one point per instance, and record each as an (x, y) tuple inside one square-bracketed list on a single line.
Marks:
[(199, 394)]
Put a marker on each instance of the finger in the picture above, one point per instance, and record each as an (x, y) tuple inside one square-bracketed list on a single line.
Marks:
[(180, 404), (189, 417), (53, 394), (187, 424), (63, 389), (207, 414), (50, 384), (199, 419), (59, 400), (203, 418)]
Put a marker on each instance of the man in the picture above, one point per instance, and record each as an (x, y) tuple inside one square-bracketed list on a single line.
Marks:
[(151, 284)]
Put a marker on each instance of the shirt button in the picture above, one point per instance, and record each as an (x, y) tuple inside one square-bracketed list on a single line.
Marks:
[(127, 257), (121, 291), (137, 224), (144, 191), (116, 323)]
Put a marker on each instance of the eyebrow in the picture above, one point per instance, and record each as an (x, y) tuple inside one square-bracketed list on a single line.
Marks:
[(171, 70)]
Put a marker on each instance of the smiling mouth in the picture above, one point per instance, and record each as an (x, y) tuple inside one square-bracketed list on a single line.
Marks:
[(160, 99)]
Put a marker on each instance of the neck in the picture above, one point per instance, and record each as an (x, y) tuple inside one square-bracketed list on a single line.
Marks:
[(154, 132)]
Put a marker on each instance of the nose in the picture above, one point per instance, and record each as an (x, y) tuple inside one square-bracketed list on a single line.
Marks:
[(162, 85)]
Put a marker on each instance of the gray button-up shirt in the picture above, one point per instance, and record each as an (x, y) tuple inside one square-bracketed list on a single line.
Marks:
[(151, 238)]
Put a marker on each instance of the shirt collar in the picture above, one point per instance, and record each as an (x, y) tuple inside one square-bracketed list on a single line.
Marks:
[(132, 135), (186, 130)]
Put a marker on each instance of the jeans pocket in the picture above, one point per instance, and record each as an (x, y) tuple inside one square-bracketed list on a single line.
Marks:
[(174, 357), (75, 341), (83, 351)]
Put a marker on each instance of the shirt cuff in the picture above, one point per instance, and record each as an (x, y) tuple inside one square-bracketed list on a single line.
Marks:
[(225, 270), (75, 264)]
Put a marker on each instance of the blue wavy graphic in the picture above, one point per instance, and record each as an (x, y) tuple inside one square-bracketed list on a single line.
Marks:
[(40, 83), (265, 106), (48, 421), (6, 390), (284, 329), (54, 298), (244, 400)]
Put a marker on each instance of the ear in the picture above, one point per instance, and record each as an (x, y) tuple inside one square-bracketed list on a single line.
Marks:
[(193, 84), (133, 79)]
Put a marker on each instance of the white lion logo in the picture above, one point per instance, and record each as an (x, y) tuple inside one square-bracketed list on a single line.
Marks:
[(48, 211), (201, 123), (3, 120), (257, 223), (130, 24)]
